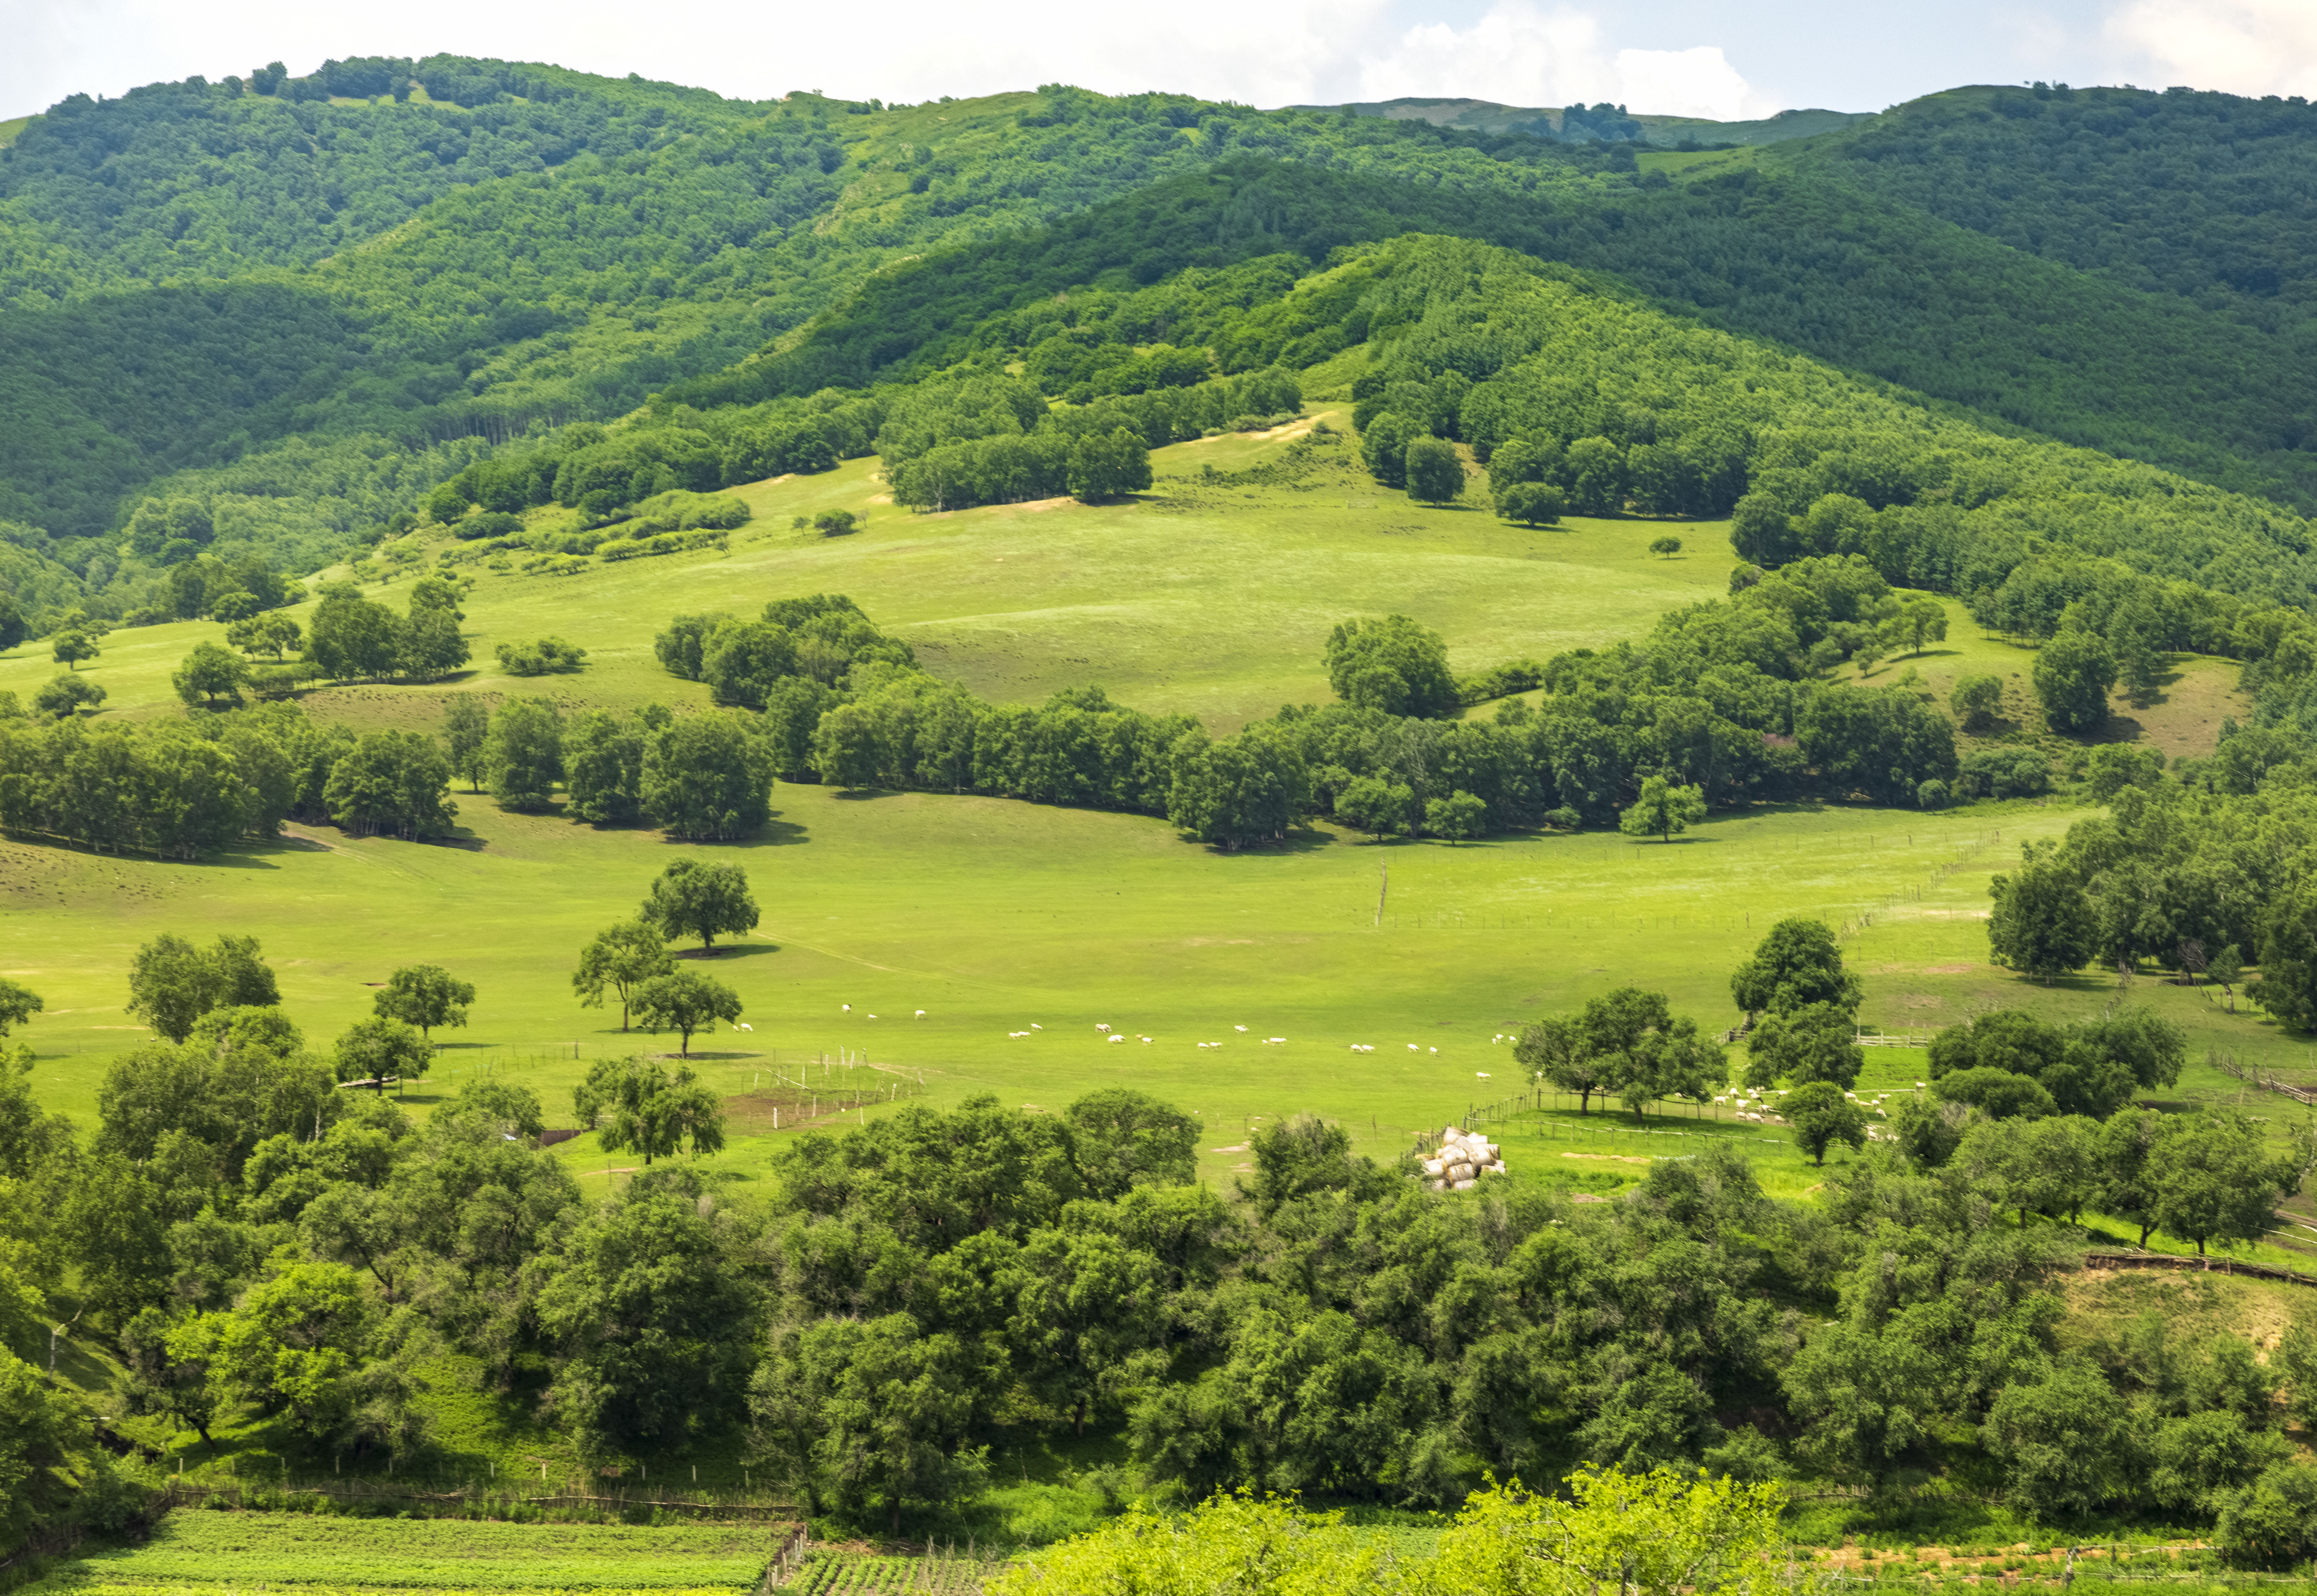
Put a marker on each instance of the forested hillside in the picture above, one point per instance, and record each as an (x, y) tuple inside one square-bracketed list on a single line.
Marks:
[(403, 265)]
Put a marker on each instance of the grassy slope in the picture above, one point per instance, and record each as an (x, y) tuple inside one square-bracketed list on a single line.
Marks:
[(992, 914)]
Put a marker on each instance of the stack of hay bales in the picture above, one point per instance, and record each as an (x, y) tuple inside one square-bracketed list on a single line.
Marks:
[(1462, 1159)]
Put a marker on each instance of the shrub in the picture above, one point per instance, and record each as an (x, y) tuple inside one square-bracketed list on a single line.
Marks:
[(490, 523), (1530, 503), (2004, 773), (548, 656)]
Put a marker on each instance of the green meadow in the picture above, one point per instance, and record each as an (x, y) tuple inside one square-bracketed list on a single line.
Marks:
[(1214, 594)]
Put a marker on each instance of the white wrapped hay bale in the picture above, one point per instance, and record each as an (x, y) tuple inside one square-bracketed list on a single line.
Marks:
[(1463, 1185)]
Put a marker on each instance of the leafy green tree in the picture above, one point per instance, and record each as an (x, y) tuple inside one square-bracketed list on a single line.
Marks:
[(394, 782), (1124, 1140), (271, 633), (893, 1407), (524, 754), (2041, 925), (1665, 548), (65, 697), (425, 995), (1459, 816), (1814, 1042), (1374, 804), (1596, 471), (12, 627), (2287, 984), (466, 734), (685, 1001), (603, 767), (1976, 701), (113, 1224), (620, 960), (640, 1308), (210, 673), (1530, 503), (1644, 1051), (1236, 791), (2065, 1442), (70, 646), (847, 752), (1821, 1115), (2072, 676), (1661, 808), (1556, 1048), (1105, 466), (1434, 473), (1997, 1094), (1089, 1321), (1797, 964), (36, 1425), (18, 1005), (2213, 1181), (694, 899), (1920, 620), (172, 984), (382, 1048), (1394, 665), (2275, 1521), (1383, 448), (705, 778)]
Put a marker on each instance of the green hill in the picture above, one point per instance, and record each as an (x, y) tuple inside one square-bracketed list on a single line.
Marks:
[(1576, 123)]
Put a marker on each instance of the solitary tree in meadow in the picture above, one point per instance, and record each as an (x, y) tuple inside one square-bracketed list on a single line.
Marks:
[(694, 899), (1665, 548), (1821, 1116), (372, 1051), (1920, 620), (209, 674), (685, 1001), (425, 995), (71, 647)]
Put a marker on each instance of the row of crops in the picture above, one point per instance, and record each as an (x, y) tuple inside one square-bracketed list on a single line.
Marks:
[(839, 1573)]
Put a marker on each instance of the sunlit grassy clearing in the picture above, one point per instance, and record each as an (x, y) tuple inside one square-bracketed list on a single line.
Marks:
[(1220, 610), (992, 915)]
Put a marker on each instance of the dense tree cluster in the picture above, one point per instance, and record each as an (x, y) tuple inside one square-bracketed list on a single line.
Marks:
[(2202, 869), (182, 788)]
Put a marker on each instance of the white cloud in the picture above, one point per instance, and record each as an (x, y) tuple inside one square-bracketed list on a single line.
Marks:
[(1520, 55), (2245, 47), (1266, 54)]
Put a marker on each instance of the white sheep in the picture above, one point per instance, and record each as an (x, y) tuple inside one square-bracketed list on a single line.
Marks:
[(921, 1013), (1115, 1038), (1102, 1028), (847, 1007), (1412, 1047), (1482, 1073)]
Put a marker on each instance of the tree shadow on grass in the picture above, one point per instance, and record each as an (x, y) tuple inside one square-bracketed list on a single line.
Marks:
[(723, 952), (1294, 844), (775, 832)]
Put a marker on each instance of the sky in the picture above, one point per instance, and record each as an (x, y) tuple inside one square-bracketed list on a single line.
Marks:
[(1693, 57)]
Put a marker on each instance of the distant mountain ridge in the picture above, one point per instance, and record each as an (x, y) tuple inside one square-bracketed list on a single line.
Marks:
[(1556, 122)]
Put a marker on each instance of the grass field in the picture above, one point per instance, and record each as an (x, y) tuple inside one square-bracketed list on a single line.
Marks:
[(1212, 594), (1214, 600)]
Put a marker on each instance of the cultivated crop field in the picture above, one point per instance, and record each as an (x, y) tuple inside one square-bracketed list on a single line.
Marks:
[(196, 1551)]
